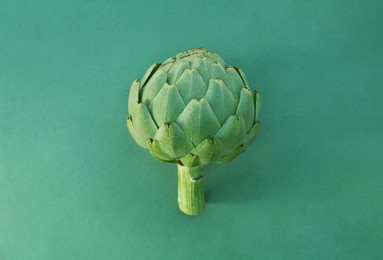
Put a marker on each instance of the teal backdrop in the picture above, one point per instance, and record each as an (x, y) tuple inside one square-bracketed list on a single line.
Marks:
[(74, 184)]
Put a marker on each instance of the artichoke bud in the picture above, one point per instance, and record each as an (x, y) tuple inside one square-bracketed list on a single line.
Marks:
[(193, 109)]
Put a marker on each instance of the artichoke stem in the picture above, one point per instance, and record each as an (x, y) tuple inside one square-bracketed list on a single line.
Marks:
[(191, 199)]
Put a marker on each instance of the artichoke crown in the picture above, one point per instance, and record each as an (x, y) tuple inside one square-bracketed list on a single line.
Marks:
[(193, 109)]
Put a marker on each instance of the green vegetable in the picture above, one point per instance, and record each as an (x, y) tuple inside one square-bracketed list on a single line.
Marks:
[(193, 110)]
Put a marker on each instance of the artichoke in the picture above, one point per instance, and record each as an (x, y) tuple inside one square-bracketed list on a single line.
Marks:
[(193, 110)]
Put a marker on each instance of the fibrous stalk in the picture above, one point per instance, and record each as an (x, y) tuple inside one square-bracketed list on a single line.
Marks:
[(191, 199)]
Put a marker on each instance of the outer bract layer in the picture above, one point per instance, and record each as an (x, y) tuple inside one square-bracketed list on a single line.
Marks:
[(193, 109)]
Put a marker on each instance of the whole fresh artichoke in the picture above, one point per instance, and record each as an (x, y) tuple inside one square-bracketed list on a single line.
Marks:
[(193, 110)]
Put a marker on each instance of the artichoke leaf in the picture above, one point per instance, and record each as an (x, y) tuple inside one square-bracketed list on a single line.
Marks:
[(221, 100), (236, 81), (204, 67), (219, 59), (209, 150), (246, 108), (167, 66), (215, 57), (143, 126), (167, 105), (172, 141), (149, 73), (232, 133), (190, 160), (218, 72), (133, 95), (191, 85), (251, 135), (231, 156), (198, 121), (177, 70), (130, 126), (156, 151), (242, 75), (153, 86)]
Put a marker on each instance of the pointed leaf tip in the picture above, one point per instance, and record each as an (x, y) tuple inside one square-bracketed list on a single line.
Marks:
[(153, 86), (149, 73), (156, 152), (231, 156), (221, 100), (167, 105), (172, 141), (198, 121), (190, 160), (142, 125), (232, 133), (133, 95), (191, 85)]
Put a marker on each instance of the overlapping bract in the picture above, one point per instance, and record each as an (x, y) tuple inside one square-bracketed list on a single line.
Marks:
[(193, 109)]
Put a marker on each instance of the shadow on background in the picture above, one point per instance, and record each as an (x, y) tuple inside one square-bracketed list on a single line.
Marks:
[(246, 182)]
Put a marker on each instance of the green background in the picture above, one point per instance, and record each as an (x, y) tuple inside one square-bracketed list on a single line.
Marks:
[(74, 185)]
